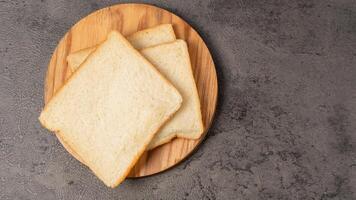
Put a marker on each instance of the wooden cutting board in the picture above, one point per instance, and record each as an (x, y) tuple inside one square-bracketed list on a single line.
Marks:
[(127, 19)]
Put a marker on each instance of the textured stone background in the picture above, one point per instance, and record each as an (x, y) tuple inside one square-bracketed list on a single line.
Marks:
[(286, 121)]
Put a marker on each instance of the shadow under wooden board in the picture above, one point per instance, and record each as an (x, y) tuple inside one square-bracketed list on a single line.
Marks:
[(127, 19)]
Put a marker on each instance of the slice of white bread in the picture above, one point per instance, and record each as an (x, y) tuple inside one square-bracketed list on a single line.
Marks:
[(156, 35), (111, 107), (142, 39), (172, 61)]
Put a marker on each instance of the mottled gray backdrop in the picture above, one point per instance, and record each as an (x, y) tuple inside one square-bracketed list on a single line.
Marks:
[(286, 121)]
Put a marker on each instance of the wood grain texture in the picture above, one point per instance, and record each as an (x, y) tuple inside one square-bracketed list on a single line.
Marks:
[(127, 19)]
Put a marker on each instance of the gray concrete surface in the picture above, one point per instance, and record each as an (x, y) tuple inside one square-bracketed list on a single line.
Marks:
[(286, 121)]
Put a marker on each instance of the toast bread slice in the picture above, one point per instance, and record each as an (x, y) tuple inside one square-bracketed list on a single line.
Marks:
[(172, 60), (156, 35), (124, 101)]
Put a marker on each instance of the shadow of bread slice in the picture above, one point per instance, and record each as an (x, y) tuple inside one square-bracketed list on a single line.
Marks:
[(123, 101)]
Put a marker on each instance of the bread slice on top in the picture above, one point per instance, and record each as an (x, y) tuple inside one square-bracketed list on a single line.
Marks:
[(172, 60), (156, 35), (111, 108)]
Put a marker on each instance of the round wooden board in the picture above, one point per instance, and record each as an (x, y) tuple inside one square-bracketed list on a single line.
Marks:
[(127, 19)]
